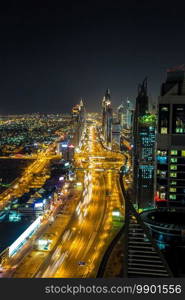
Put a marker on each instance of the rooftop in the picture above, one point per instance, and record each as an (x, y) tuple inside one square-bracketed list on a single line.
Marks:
[(177, 68), (173, 219)]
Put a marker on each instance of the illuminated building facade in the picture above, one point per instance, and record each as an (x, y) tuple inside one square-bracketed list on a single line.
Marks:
[(170, 169), (75, 112), (143, 151), (78, 120), (129, 114), (116, 134), (125, 114), (78, 112), (121, 115), (107, 118), (66, 149), (146, 156)]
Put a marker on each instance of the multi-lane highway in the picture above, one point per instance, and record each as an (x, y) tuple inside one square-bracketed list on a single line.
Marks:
[(90, 227)]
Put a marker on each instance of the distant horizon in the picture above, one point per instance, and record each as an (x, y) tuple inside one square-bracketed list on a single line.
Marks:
[(154, 100)]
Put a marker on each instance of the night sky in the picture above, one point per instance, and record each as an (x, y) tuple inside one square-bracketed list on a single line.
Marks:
[(51, 55)]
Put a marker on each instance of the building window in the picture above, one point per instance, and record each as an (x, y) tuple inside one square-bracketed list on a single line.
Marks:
[(179, 130), (164, 118), (162, 152), (178, 124), (173, 190), (173, 174), (173, 182), (183, 153), (162, 195), (173, 197), (173, 167), (164, 130), (173, 160), (161, 159), (163, 174), (174, 152), (162, 188)]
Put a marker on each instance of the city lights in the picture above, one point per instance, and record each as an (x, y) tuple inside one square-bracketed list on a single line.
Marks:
[(22, 238), (89, 176)]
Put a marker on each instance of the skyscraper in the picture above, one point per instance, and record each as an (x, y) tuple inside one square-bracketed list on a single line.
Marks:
[(142, 104), (116, 134), (107, 118), (129, 114), (78, 122), (125, 114), (143, 150), (121, 114), (170, 170)]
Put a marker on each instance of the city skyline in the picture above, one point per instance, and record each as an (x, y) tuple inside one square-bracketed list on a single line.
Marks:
[(102, 181), (52, 56)]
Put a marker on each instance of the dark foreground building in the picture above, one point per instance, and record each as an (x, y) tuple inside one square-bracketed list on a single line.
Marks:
[(167, 227), (167, 221), (170, 171)]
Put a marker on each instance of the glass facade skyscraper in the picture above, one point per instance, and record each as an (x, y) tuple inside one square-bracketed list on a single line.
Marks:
[(143, 150)]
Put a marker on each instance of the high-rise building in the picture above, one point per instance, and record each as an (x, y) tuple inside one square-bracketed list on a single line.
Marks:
[(116, 134), (78, 122), (146, 158), (170, 169), (78, 112), (81, 111), (121, 115), (125, 114), (142, 104), (66, 149), (107, 118), (129, 114), (167, 220), (143, 150), (125, 117)]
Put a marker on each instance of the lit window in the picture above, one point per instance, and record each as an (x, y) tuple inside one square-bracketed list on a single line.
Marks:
[(161, 159), (173, 167), (183, 153), (163, 153), (173, 174), (162, 195), (164, 108), (178, 125), (173, 182), (179, 130), (162, 188), (173, 160), (163, 174), (164, 130), (173, 197), (173, 190), (174, 152)]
